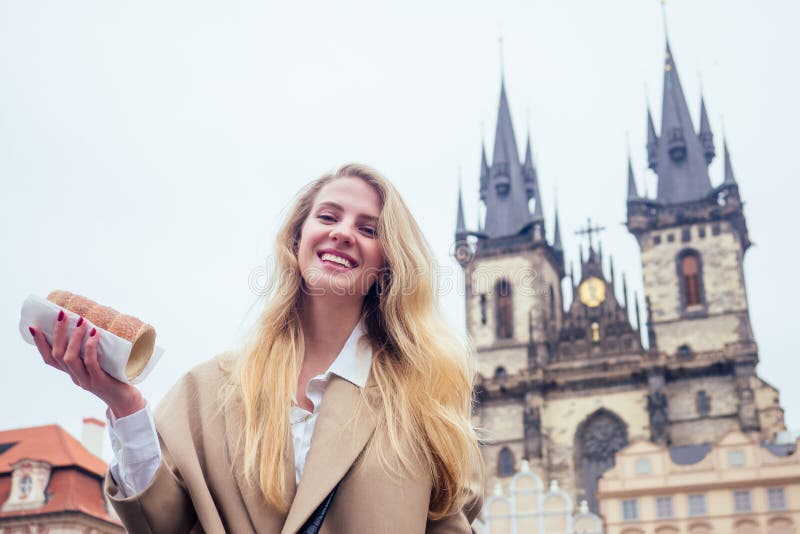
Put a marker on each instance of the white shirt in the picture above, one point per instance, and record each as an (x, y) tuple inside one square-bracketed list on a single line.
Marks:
[(134, 441)]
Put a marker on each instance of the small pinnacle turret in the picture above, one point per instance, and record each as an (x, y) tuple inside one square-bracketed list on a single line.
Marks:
[(484, 183), (633, 192), (557, 245), (705, 135), (652, 142), (730, 178)]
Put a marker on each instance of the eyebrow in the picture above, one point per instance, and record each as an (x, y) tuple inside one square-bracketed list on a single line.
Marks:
[(336, 206)]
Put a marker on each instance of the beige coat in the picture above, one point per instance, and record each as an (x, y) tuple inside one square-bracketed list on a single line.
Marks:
[(199, 487)]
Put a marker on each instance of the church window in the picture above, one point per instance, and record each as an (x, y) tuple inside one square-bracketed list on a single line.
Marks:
[(701, 232), (690, 278), (741, 501), (656, 239), (504, 310), (483, 310), (643, 466), (500, 373), (630, 510), (736, 458), (597, 441), (670, 238), (505, 463), (703, 402), (697, 504), (686, 235), (715, 229), (684, 351), (777, 498), (595, 332)]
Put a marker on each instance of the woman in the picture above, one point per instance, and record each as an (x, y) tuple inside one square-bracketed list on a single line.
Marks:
[(393, 448)]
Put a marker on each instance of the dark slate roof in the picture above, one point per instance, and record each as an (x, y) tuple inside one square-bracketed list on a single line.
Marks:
[(689, 454), (508, 214), (780, 449), (686, 179), (705, 134)]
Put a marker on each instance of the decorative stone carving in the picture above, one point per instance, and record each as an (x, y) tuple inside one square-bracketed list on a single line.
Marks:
[(659, 418), (533, 433), (598, 439)]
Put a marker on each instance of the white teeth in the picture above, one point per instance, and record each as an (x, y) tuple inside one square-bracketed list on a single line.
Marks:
[(337, 259)]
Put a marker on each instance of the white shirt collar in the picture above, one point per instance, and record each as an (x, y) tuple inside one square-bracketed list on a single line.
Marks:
[(355, 359)]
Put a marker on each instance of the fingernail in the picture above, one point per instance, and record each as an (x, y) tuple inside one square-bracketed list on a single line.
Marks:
[(80, 321), (60, 316), (33, 332), (93, 332)]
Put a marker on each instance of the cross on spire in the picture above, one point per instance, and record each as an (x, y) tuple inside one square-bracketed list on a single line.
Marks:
[(589, 231)]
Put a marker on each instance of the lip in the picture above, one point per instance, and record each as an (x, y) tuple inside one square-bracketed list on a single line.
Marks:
[(339, 253)]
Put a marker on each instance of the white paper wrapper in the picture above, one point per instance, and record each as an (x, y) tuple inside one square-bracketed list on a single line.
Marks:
[(112, 351)]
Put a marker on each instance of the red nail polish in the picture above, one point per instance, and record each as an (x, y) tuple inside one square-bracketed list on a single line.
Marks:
[(60, 315), (33, 332), (93, 332), (80, 321)]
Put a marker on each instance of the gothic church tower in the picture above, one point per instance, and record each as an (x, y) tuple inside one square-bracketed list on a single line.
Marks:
[(693, 238)]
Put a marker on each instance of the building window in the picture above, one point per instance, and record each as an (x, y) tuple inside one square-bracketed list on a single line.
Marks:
[(642, 466), (703, 403), (483, 310), (741, 501), (505, 463), (690, 278), (701, 232), (630, 510), (504, 310), (686, 234), (664, 507), (656, 239), (500, 373), (670, 238), (715, 229), (777, 498), (736, 458), (697, 504), (25, 485)]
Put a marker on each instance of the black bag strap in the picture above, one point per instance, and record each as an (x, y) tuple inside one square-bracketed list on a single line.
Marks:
[(314, 522)]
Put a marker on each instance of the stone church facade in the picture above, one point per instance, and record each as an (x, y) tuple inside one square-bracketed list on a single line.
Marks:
[(565, 385)]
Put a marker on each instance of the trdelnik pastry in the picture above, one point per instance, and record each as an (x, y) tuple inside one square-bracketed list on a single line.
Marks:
[(127, 354)]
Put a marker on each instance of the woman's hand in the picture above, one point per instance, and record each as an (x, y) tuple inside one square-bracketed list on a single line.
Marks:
[(65, 354)]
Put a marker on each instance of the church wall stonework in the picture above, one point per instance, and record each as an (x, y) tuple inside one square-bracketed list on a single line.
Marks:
[(722, 283), (513, 360), (502, 421), (530, 275)]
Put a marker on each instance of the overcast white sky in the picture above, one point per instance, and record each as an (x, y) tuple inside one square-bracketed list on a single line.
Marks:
[(148, 150)]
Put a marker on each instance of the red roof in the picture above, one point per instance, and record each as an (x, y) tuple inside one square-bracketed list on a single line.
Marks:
[(76, 480), (51, 444)]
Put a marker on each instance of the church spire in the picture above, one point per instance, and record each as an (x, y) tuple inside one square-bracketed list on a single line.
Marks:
[(506, 197), (705, 135), (681, 166), (633, 193), (730, 179)]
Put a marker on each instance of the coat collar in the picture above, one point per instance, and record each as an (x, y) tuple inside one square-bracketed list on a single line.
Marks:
[(344, 426)]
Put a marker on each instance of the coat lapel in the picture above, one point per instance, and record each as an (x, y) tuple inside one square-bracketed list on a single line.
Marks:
[(340, 434), (260, 514)]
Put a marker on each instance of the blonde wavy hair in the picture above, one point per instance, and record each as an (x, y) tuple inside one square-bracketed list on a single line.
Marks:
[(421, 368)]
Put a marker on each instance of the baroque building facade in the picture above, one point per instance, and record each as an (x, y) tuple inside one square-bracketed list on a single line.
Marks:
[(564, 386)]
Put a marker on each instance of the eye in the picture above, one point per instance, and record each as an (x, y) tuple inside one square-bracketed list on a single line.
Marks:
[(372, 232), (326, 217)]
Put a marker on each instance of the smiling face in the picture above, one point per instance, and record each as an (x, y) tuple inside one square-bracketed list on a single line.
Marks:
[(339, 252)]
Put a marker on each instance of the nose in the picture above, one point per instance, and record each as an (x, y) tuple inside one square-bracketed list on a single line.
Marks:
[(341, 232)]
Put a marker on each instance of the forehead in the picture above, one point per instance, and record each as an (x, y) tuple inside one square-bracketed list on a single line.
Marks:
[(350, 194)]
